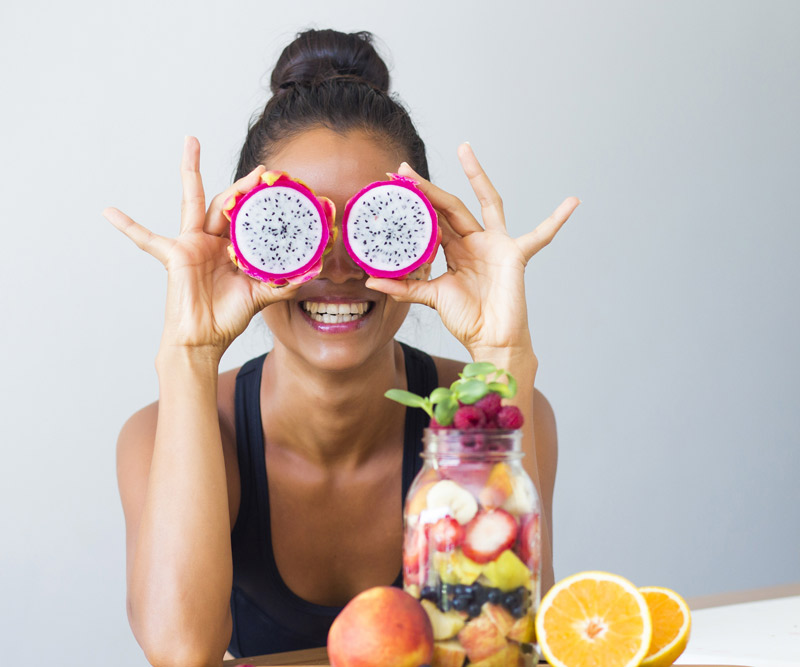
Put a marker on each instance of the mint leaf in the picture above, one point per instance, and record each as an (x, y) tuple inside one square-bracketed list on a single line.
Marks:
[(405, 398), (471, 391), (478, 368)]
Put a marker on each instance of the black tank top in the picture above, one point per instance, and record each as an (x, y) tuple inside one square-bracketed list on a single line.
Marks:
[(267, 616)]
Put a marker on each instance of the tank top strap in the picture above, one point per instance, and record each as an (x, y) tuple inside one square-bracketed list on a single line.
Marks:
[(422, 379), (249, 440)]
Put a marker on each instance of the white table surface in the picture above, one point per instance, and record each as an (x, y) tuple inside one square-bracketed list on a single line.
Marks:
[(765, 633)]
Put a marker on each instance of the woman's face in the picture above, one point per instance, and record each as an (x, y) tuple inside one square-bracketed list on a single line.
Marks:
[(336, 166)]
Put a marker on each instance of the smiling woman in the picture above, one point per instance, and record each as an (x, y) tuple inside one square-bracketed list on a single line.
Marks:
[(259, 501)]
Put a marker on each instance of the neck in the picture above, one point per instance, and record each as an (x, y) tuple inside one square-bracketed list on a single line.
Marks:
[(332, 416)]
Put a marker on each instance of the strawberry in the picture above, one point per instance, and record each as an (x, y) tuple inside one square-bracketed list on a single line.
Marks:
[(446, 534), (415, 556), (488, 535), (529, 542)]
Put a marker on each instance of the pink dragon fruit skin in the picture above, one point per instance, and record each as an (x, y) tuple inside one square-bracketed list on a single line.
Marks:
[(245, 250), (426, 234)]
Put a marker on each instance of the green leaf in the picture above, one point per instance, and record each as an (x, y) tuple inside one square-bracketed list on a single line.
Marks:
[(405, 398), (512, 384), (440, 394), (501, 388), (444, 411), (478, 368), (470, 391)]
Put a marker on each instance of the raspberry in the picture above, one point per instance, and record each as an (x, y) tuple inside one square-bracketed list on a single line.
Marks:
[(509, 417), (490, 404), (436, 426), (469, 416)]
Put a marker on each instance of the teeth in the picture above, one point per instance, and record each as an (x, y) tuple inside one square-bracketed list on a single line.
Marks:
[(335, 313)]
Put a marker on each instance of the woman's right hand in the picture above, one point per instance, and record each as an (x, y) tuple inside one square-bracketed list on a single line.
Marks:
[(209, 301)]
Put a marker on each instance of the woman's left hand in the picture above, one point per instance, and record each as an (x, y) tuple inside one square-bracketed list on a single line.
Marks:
[(481, 296)]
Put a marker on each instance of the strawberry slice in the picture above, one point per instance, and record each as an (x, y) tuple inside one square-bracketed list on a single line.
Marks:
[(488, 535), (446, 534), (415, 556), (530, 542)]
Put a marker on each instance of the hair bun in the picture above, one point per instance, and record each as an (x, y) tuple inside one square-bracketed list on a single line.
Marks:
[(319, 55)]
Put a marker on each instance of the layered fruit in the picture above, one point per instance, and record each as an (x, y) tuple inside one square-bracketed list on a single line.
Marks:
[(472, 543), (471, 555)]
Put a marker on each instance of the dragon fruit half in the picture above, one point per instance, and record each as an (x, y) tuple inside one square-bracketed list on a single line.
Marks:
[(390, 228), (280, 230)]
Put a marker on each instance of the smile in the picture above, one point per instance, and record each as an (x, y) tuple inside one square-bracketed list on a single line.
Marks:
[(335, 313)]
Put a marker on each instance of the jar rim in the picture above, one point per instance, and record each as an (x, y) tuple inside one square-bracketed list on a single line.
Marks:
[(473, 444)]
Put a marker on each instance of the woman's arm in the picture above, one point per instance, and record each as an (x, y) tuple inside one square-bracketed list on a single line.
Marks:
[(172, 480), (171, 464), (481, 300)]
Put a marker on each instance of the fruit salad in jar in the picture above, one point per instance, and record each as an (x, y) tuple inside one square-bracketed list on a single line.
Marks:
[(472, 543)]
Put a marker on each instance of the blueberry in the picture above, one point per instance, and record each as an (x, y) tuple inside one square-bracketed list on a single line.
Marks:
[(429, 593), (481, 594), (494, 595), (458, 590), (474, 610), (460, 604), (510, 601), (471, 591), (518, 612)]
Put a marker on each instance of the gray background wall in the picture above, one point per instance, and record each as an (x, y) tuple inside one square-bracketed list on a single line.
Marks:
[(665, 314)]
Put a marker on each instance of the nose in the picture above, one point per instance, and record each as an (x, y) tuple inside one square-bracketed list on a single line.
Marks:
[(338, 266)]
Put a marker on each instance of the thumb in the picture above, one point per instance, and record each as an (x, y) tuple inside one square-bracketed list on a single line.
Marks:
[(406, 291)]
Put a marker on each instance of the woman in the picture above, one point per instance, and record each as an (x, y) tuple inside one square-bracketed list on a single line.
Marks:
[(259, 501)]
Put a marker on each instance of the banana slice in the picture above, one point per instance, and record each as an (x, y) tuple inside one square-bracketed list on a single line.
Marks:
[(460, 503), (522, 499)]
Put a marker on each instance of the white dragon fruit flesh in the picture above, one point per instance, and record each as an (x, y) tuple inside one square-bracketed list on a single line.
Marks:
[(280, 230), (390, 228)]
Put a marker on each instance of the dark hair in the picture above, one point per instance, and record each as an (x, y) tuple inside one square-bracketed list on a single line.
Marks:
[(331, 79)]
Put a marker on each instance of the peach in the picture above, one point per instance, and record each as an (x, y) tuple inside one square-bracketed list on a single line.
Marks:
[(498, 488), (481, 638), (381, 627), (523, 630), (448, 654)]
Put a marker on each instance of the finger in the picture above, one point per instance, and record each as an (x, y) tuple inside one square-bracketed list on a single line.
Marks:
[(461, 220), (406, 291), (265, 294), (534, 241), (151, 243), (217, 223), (193, 205), (489, 199), (448, 234)]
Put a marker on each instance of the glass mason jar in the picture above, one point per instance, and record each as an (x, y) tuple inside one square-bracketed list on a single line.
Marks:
[(472, 546)]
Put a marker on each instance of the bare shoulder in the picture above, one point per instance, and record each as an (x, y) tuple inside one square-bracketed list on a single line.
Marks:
[(137, 440)]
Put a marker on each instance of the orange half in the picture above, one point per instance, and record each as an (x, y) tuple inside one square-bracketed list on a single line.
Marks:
[(672, 622), (593, 618)]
